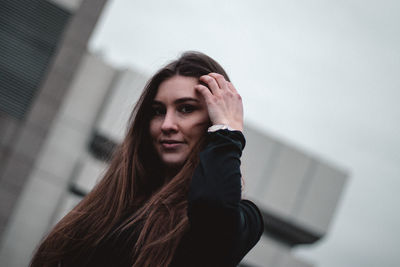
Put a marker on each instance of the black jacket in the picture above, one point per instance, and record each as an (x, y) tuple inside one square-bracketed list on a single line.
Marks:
[(223, 227)]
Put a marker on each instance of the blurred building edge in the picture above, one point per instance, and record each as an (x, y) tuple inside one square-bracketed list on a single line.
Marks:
[(56, 151), (41, 45), (297, 193)]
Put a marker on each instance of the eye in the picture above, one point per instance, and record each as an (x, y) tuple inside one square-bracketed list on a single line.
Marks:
[(186, 108), (158, 111)]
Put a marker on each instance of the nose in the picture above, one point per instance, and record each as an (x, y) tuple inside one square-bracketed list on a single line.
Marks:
[(169, 125)]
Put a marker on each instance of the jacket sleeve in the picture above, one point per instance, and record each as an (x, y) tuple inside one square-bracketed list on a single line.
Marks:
[(223, 225)]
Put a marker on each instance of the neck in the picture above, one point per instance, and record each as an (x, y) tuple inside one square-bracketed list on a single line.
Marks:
[(170, 172)]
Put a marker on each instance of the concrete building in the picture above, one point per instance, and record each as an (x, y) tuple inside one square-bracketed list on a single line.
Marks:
[(56, 148), (41, 44), (297, 193)]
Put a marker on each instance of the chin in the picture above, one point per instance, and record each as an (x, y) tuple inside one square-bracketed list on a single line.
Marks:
[(173, 162)]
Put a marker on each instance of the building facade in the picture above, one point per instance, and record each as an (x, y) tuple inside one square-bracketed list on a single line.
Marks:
[(41, 45)]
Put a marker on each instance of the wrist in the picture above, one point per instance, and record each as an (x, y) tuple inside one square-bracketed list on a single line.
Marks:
[(217, 127)]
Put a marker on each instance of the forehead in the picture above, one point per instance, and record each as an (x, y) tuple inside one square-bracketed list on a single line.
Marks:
[(177, 87)]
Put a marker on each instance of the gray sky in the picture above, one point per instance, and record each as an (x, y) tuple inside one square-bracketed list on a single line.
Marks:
[(323, 75)]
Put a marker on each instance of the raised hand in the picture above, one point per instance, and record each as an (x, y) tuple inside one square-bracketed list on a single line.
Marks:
[(224, 104)]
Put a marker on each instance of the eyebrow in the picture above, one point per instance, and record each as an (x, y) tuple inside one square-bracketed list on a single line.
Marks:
[(178, 101), (185, 99)]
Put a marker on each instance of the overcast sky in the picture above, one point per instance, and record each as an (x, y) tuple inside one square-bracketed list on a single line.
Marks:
[(323, 75)]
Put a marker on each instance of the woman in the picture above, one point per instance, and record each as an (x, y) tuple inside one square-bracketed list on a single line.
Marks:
[(172, 193)]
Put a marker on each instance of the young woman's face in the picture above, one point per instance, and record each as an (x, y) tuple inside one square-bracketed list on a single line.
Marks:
[(180, 119)]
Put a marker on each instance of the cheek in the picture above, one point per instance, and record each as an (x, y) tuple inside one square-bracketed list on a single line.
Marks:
[(154, 129), (198, 128)]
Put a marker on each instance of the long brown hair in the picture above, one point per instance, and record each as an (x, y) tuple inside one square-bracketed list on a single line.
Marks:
[(133, 198)]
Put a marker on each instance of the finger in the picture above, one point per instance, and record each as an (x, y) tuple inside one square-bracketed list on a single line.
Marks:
[(212, 84), (232, 88), (205, 92), (222, 83)]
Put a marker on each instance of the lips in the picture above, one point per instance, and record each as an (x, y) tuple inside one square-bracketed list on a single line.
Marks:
[(170, 144)]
